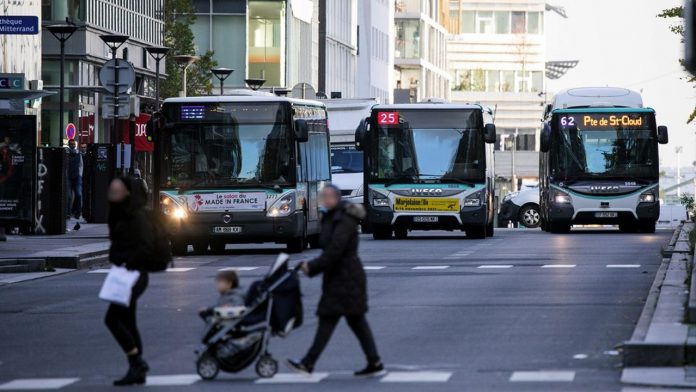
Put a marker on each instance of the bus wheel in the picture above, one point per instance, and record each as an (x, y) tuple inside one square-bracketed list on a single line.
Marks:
[(296, 245), (179, 248), (647, 227), (381, 232), (476, 232), (401, 233)]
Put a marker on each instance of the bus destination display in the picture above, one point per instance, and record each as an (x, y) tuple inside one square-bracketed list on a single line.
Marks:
[(196, 112), (605, 120)]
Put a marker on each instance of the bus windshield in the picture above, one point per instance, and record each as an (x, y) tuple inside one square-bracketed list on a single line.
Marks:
[(202, 155), (598, 145), (429, 145)]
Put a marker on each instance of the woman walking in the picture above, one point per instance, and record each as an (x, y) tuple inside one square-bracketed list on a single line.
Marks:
[(344, 285), (131, 244)]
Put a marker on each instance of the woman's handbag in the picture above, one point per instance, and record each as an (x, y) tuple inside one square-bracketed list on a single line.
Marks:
[(118, 285)]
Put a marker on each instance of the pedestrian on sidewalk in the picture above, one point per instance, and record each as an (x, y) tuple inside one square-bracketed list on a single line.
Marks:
[(132, 243), (75, 171), (344, 285)]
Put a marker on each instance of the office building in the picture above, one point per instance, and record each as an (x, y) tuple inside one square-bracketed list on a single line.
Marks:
[(420, 55), (338, 47), (375, 49)]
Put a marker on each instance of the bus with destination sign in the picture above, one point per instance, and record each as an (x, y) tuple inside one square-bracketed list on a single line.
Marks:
[(599, 161), (242, 169), (428, 166)]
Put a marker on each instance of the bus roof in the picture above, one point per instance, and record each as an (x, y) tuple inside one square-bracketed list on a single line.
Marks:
[(426, 106), (597, 97), (243, 99)]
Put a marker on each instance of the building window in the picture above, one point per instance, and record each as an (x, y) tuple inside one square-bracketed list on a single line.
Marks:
[(502, 22), (498, 81), (468, 22), (534, 23), (484, 22), (518, 22), (408, 39)]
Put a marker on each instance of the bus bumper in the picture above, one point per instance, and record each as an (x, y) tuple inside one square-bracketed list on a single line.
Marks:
[(469, 216), (255, 227), (566, 213)]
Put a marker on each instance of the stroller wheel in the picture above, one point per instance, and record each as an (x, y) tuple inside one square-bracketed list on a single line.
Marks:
[(207, 367), (266, 367)]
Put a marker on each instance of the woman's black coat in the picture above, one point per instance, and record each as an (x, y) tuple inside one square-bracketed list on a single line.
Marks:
[(344, 285), (131, 234)]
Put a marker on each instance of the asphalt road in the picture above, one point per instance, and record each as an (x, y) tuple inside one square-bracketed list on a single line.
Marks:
[(523, 311)]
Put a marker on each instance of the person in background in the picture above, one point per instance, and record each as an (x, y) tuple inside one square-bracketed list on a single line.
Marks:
[(75, 170), (344, 285)]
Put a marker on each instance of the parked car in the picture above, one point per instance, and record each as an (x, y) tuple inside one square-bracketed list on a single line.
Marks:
[(521, 207)]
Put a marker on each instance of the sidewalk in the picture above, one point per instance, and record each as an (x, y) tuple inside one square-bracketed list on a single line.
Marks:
[(73, 250)]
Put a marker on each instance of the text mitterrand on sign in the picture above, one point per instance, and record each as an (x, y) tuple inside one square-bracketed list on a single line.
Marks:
[(240, 201)]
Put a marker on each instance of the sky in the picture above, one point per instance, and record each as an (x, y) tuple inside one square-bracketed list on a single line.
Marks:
[(622, 43)]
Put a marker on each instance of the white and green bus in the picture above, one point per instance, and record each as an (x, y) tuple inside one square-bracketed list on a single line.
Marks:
[(428, 166), (242, 169), (599, 161)]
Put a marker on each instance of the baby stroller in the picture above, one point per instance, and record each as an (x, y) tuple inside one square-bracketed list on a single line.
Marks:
[(235, 338)]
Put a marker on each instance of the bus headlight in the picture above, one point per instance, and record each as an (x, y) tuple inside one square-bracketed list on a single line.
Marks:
[(284, 206), (647, 197), (561, 197), (380, 202), (172, 208), (473, 200)]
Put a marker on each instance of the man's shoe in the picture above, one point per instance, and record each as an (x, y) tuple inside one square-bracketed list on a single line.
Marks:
[(77, 226), (300, 367), (372, 370), (135, 376)]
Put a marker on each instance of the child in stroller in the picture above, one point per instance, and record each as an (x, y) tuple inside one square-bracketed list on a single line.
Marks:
[(234, 340), (231, 301)]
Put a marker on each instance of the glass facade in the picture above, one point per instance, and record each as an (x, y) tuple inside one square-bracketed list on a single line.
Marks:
[(408, 39), (495, 22), (498, 81)]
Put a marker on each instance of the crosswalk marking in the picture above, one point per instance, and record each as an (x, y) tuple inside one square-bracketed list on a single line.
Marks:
[(292, 378), (238, 269), (543, 376), (179, 269), (172, 380), (99, 271), (37, 383), (558, 266), (494, 266), (623, 265), (374, 267), (416, 377), (431, 267)]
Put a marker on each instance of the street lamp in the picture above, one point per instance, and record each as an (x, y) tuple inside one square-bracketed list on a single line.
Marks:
[(114, 41), (185, 61), (255, 84), (62, 32), (222, 74), (158, 53)]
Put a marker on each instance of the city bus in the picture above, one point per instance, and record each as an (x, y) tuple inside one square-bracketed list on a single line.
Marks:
[(242, 169), (428, 166), (599, 161)]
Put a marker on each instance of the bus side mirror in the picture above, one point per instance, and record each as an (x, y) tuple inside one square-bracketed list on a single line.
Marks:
[(360, 134), (490, 134), (301, 130), (662, 135), (545, 138)]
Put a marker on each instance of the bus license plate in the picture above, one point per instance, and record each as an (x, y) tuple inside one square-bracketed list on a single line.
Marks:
[(606, 214), (227, 230), (425, 219)]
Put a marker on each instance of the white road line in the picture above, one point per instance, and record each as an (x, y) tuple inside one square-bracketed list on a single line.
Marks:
[(238, 269), (431, 267), (494, 266), (373, 267), (172, 380), (623, 265), (37, 383), (179, 269), (99, 271), (292, 378), (543, 376), (558, 266), (416, 377)]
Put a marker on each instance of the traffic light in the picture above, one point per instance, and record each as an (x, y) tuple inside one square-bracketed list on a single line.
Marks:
[(153, 126)]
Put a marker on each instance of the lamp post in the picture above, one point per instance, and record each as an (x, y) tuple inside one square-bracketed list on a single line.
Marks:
[(114, 41), (62, 32), (222, 74), (185, 61), (158, 53), (254, 84)]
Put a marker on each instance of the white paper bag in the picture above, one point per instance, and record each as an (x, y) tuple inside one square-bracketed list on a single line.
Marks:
[(118, 285)]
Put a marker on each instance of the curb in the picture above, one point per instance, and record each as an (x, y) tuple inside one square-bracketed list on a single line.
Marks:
[(83, 257)]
